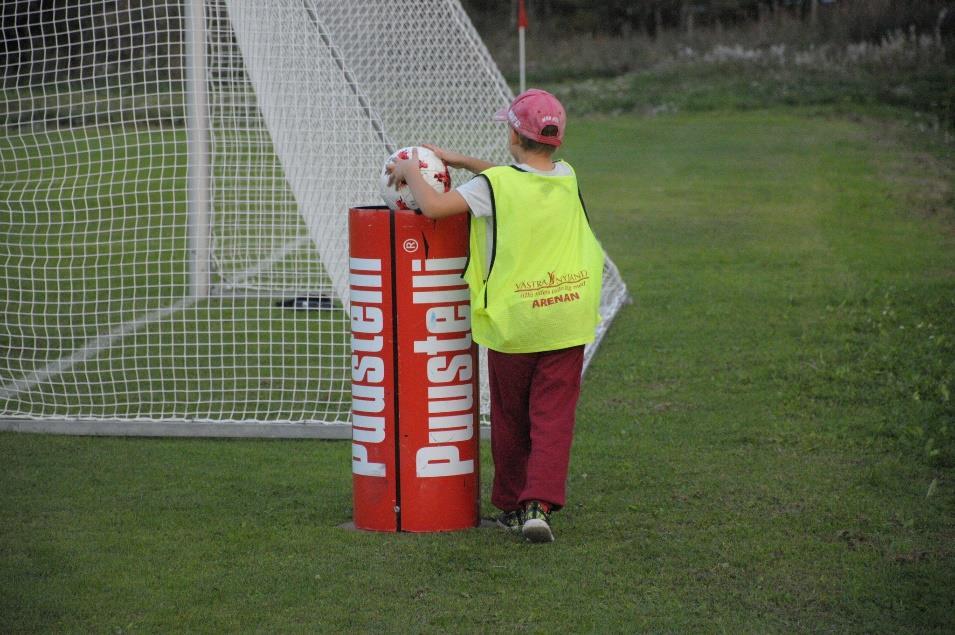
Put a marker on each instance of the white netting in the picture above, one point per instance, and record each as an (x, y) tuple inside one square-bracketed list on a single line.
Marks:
[(305, 98)]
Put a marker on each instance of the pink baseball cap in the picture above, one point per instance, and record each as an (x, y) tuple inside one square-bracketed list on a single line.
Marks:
[(531, 112)]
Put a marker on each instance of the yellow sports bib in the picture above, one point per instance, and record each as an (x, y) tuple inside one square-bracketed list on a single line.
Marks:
[(542, 288)]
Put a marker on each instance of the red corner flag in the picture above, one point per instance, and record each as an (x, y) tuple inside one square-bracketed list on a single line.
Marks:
[(521, 27)]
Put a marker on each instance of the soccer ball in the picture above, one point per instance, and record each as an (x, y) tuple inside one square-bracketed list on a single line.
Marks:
[(433, 169)]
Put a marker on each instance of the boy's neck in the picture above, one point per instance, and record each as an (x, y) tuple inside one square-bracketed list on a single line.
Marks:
[(542, 162)]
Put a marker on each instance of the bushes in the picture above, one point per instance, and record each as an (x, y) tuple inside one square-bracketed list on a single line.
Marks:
[(839, 21), (786, 63)]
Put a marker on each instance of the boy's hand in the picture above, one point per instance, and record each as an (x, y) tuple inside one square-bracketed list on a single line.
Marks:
[(451, 159), (432, 203), (398, 171), (458, 160)]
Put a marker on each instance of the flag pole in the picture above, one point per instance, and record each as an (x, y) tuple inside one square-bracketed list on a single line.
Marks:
[(521, 28)]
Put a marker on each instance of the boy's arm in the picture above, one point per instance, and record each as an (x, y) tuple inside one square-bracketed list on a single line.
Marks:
[(458, 160), (433, 204)]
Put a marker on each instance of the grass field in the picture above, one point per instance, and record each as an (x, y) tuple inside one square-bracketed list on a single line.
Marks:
[(765, 440)]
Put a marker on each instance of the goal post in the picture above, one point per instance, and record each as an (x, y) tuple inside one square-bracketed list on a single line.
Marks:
[(176, 180), (198, 148)]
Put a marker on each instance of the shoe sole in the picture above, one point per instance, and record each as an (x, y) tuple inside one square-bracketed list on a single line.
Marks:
[(536, 530)]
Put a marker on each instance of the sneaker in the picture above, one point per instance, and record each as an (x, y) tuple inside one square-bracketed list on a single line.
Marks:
[(537, 523), (511, 520)]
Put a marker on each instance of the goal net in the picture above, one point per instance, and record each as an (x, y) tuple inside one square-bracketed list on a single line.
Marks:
[(176, 177)]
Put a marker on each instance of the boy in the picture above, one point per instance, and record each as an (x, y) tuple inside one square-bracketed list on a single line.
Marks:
[(535, 272)]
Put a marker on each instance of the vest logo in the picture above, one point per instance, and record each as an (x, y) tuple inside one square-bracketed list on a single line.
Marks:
[(551, 284), (554, 299)]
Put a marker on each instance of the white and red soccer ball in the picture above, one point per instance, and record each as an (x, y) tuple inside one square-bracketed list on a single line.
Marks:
[(433, 169)]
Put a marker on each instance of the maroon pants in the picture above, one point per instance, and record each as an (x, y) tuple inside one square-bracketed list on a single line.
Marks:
[(533, 402)]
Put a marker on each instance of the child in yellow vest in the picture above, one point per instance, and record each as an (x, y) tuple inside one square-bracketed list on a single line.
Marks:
[(534, 271)]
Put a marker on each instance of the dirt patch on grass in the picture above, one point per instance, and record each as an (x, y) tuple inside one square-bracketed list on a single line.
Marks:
[(920, 168)]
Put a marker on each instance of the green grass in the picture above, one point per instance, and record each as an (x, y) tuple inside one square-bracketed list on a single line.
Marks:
[(752, 451)]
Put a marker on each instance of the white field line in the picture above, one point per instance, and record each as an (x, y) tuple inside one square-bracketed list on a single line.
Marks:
[(277, 256), (96, 345), (88, 351)]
